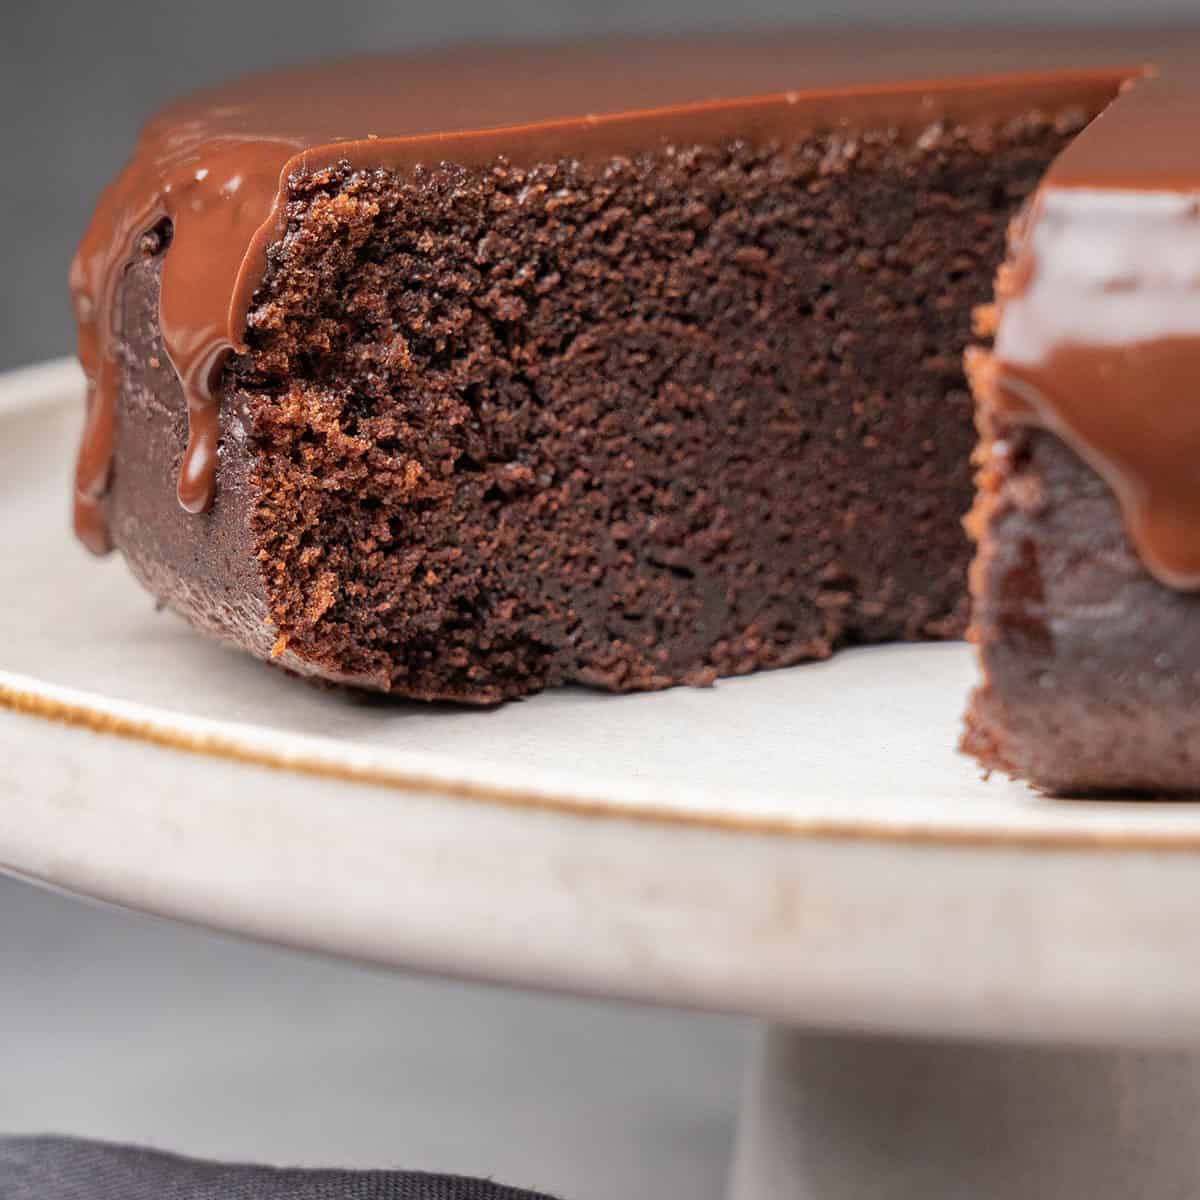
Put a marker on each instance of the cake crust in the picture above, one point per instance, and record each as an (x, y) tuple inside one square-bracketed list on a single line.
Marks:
[(1090, 682)]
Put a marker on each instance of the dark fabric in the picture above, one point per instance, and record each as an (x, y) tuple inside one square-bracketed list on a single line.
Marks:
[(53, 1168)]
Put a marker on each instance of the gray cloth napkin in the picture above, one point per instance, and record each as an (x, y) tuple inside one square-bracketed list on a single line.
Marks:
[(55, 1168)]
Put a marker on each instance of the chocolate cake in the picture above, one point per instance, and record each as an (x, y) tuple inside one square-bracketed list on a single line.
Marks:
[(462, 375), (1087, 582)]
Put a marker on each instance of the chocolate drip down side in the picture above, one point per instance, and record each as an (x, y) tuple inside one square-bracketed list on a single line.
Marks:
[(1098, 342), (215, 167), (206, 196)]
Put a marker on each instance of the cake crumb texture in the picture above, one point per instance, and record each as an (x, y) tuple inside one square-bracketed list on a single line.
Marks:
[(658, 420)]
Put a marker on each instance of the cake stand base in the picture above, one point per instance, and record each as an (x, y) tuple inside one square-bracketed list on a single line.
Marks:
[(827, 1117)]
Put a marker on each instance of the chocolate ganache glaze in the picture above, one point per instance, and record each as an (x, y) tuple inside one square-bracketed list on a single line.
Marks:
[(214, 167), (1099, 317)]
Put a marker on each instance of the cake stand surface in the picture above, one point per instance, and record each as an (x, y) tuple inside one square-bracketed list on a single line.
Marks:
[(966, 988)]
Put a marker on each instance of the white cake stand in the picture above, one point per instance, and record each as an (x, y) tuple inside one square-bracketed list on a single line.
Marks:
[(965, 989)]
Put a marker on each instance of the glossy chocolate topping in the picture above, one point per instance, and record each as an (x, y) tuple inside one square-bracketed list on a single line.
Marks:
[(1100, 347), (1098, 336), (1099, 317), (216, 167)]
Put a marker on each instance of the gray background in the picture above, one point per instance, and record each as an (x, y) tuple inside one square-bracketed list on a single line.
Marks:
[(120, 1027)]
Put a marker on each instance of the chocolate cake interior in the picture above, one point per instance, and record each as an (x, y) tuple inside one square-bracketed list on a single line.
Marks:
[(658, 419)]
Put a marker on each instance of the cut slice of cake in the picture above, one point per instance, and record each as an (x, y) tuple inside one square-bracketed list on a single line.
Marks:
[(463, 375), (1086, 603), (619, 397)]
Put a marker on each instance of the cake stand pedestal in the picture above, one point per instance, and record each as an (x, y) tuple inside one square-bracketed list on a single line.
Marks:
[(804, 846), (830, 1117)]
